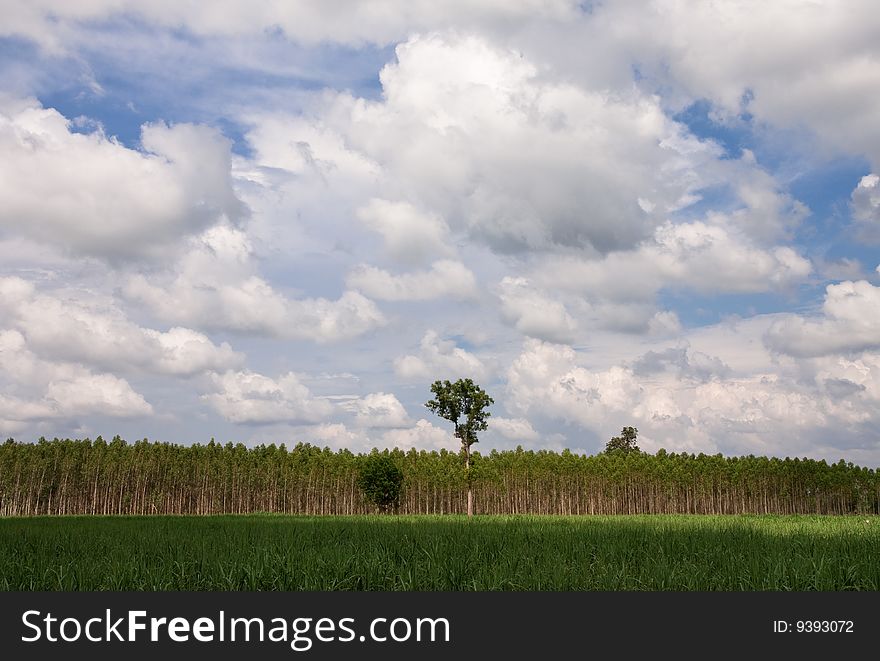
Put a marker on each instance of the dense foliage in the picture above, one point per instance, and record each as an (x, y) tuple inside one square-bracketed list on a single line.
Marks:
[(626, 442), (381, 480), (440, 553), (97, 477), (464, 404)]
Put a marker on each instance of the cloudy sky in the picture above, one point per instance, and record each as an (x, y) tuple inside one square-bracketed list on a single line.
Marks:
[(281, 221)]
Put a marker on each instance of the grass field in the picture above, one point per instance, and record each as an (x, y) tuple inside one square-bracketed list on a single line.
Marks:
[(430, 553)]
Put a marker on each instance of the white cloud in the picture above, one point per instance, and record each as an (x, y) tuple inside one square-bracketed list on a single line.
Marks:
[(440, 359), (630, 317), (532, 313), (336, 435), (378, 410), (34, 390), (76, 328), (850, 322), (767, 214), (709, 258), (184, 351), (664, 322), (734, 55), (420, 436), (446, 278), (844, 268), (698, 405), (516, 429), (309, 148), (674, 45), (516, 160), (423, 436), (89, 194), (546, 378), (866, 204), (682, 361), (852, 382), (52, 22), (410, 235), (102, 394), (245, 397), (522, 161), (697, 256), (215, 287)]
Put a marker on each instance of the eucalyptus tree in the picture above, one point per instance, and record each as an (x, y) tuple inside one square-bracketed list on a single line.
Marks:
[(464, 404)]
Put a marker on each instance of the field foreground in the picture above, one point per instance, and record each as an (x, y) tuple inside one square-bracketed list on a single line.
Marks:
[(271, 552)]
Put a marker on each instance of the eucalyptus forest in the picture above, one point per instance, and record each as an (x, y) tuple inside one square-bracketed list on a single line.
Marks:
[(96, 477)]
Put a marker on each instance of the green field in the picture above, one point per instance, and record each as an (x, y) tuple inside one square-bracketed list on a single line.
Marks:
[(270, 552)]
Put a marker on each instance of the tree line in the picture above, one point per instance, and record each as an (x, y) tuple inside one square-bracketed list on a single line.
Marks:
[(99, 477)]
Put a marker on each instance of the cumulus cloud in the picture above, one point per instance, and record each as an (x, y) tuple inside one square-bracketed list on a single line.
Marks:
[(673, 44), (336, 435), (515, 429), (100, 335), (215, 287), (440, 359), (843, 269), (767, 213), (664, 322), (411, 236), (96, 393), (693, 407), (245, 397), (91, 195), (683, 361), (850, 322), (866, 199), (772, 76), (866, 205), (547, 378), (379, 409), (700, 256), (533, 313), (851, 381), (707, 258), (446, 278), (517, 160), (630, 317), (37, 390), (423, 436)]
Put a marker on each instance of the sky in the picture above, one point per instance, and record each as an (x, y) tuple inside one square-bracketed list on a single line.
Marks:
[(273, 221)]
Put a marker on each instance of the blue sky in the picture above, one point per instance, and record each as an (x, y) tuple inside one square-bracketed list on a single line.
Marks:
[(282, 222)]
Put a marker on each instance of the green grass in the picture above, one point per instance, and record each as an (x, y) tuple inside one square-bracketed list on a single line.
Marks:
[(272, 552)]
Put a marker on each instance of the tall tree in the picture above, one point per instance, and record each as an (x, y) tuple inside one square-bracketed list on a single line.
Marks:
[(624, 443), (464, 404)]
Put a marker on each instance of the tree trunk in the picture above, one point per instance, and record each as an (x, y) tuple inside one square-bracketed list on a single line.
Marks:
[(470, 494)]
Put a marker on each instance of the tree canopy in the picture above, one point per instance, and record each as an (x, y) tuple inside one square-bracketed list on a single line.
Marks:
[(381, 480), (464, 404), (624, 443)]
